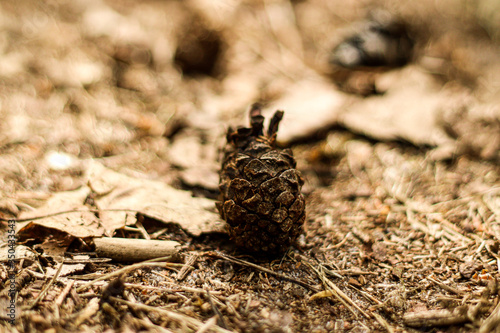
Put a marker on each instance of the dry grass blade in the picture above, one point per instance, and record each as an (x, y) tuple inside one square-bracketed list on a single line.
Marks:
[(188, 266), (433, 318), (339, 294), (208, 325), (180, 318), (445, 287), (492, 322), (44, 291), (383, 322), (220, 319), (91, 308), (149, 263), (60, 299), (263, 269)]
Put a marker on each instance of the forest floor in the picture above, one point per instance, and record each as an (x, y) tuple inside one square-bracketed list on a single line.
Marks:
[(112, 122)]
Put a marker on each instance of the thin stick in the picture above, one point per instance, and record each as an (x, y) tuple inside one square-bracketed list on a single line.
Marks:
[(249, 264), (370, 297), (60, 299), (178, 288), (191, 322), (445, 287), (134, 250), (348, 272), (149, 263), (341, 296), (70, 212), (221, 322), (142, 230), (187, 267), (432, 318), (208, 325), (383, 322), (492, 321), (44, 291)]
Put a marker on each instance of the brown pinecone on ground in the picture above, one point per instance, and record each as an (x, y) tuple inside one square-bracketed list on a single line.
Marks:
[(260, 188)]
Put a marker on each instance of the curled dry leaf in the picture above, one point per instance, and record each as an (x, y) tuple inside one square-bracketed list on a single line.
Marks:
[(311, 105), (81, 224), (151, 198), (411, 109), (117, 191)]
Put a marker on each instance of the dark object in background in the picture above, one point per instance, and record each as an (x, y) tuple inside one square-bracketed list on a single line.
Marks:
[(260, 188), (115, 288), (199, 50), (382, 41)]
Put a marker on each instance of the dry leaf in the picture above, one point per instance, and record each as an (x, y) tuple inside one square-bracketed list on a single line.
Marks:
[(410, 109), (117, 191), (310, 105), (79, 224), (151, 198), (66, 270)]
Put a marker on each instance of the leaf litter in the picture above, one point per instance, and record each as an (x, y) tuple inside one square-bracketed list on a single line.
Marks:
[(110, 129)]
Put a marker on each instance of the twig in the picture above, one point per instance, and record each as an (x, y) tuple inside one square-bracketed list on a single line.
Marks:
[(342, 242), (383, 322), (60, 299), (91, 308), (180, 318), (141, 228), (44, 291), (351, 272), (221, 322), (149, 263), (339, 294), (492, 322), (177, 288), (445, 287), (187, 267), (249, 264), (433, 318), (128, 249), (370, 297), (208, 325)]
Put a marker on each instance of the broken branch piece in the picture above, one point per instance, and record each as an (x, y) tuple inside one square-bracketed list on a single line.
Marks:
[(128, 249)]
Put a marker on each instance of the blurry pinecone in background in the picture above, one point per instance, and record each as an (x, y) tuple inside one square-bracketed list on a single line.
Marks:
[(260, 188), (381, 41)]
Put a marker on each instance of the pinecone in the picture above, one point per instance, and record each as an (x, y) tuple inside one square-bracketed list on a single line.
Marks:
[(260, 188)]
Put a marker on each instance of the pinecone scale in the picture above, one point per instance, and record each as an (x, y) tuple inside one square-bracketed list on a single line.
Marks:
[(260, 188)]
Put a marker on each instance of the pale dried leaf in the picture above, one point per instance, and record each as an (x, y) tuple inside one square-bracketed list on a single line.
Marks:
[(151, 198), (77, 224), (66, 270), (410, 110), (310, 105)]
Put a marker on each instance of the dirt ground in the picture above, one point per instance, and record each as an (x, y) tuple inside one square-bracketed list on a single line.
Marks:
[(112, 121)]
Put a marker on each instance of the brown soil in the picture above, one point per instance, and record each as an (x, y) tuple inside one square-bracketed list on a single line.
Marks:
[(395, 229)]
